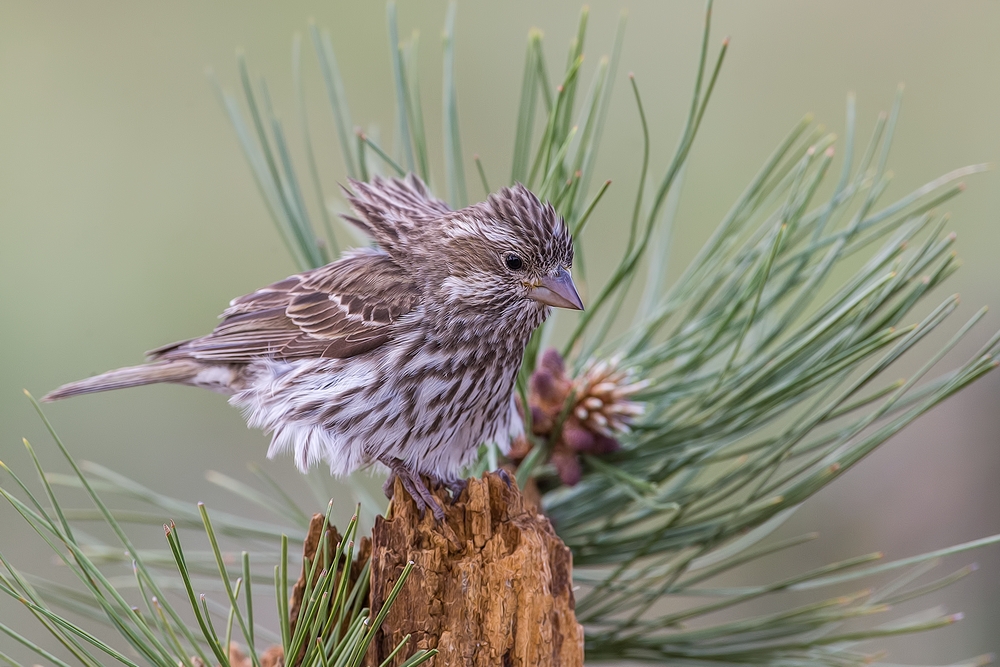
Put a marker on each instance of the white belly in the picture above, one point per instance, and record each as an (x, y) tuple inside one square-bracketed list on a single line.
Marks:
[(347, 414)]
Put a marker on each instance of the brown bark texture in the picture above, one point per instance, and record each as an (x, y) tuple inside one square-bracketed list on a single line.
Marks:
[(491, 586)]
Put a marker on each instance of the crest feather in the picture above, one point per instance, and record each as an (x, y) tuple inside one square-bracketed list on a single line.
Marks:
[(535, 220), (387, 209)]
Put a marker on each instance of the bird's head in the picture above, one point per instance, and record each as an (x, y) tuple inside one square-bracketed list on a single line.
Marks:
[(511, 252)]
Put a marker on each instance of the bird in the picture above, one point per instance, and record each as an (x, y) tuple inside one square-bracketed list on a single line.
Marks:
[(403, 354)]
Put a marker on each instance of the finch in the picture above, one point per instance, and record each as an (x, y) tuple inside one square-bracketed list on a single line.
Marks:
[(403, 354)]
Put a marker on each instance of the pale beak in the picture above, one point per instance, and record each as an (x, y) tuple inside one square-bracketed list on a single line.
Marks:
[(557, 290)]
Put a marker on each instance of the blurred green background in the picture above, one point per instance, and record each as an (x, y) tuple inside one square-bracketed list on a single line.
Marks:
[(130, 218)]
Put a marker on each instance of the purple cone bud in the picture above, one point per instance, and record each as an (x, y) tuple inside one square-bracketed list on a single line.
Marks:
[(544, 384), (605, 445), (540, 422), (537, 414), (552, 361), (576, 437), (568, 467)]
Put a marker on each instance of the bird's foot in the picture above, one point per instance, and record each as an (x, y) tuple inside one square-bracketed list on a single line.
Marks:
[(507, 479), (454, 485), (390, 484), (415, 486)]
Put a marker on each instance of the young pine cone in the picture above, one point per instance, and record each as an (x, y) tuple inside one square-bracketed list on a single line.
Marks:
[(601, 409)]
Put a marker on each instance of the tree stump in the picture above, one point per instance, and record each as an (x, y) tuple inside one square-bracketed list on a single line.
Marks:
[(492, 586)]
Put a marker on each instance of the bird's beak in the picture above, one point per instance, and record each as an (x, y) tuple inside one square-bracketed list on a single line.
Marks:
[(557, 290)]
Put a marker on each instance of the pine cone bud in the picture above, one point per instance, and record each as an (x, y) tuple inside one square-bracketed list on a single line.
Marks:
[(601, 409), (577, 437), (568, 466), (603, 391)]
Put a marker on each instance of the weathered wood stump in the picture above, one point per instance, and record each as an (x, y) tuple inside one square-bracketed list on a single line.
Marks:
[(490, 587)]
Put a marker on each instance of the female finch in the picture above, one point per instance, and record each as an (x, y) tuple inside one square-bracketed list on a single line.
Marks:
[(404, 354)]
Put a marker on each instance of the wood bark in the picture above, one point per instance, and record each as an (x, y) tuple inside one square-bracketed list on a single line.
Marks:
[(491, 586)]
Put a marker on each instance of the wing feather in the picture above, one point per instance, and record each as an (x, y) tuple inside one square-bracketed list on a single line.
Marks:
[(340, 310)]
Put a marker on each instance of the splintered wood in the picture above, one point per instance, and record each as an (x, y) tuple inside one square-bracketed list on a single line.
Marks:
[(490, 587)]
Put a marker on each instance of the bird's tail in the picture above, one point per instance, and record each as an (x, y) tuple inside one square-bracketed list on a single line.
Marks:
[(180, 370)]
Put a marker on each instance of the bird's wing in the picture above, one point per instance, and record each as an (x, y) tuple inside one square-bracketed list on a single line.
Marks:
[(336, 311)]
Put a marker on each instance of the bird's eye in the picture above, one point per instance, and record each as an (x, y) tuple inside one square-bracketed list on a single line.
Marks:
[(513, 261)]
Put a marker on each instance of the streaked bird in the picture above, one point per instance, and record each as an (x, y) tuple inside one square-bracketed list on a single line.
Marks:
[(404, 354)]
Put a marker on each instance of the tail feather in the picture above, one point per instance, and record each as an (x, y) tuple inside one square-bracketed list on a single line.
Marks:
[(132, 376)]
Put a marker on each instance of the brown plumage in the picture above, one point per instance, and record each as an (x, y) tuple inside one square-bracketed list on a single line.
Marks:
[(404, 354)]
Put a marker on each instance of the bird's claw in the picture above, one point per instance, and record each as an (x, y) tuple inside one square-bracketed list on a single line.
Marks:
[(455, 486), (505, 476), (415, 486)]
